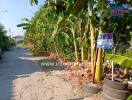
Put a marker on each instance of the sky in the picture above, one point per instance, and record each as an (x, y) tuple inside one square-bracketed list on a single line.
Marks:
[(16, 10)]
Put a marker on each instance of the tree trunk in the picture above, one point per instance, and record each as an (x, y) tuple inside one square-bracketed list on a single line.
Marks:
[(99, 62), (82, 53), (75, 46), (98, 65), (92, 46), (92, 34), (81, 38)]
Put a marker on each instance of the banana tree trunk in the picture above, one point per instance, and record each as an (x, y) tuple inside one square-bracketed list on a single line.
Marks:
[(82, 54), (88, 51), (98, 66), (81, 38), (75, 46), (92, 46), (99, 62), (92, 33), (98, 71)]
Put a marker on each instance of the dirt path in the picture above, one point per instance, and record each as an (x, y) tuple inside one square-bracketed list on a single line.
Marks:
[(12, 67), (22, 79)]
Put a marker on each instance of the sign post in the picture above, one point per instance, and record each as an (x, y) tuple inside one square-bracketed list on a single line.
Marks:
[(105, 41), (117, 11)]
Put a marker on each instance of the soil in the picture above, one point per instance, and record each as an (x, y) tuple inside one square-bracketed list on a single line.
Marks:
[(21, 78)]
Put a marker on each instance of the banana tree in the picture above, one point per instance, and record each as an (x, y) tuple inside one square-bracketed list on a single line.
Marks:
[(122, 60), (47, 26), (103, 6)]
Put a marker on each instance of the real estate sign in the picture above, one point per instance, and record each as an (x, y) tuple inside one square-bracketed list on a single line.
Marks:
[(105, 40), (117, 11)]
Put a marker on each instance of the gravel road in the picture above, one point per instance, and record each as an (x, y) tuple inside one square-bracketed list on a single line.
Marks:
[(21, 78)]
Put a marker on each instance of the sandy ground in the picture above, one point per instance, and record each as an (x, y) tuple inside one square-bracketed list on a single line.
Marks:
[(22, 79)]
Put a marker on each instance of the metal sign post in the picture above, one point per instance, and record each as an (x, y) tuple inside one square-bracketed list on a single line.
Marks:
[(113, 52), (112, 71), (117, 11)]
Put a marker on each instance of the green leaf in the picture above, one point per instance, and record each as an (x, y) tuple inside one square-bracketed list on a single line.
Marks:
[(76, 7), (122, 60), (130, 97), (25, 19), (25, 28), (23, 24)]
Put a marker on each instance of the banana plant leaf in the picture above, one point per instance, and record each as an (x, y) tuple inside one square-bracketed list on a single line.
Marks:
[(76, 7), (23, 24), (122, 60)]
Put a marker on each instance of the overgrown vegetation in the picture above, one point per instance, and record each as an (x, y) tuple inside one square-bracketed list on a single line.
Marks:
[(5, 41), (69, 29)]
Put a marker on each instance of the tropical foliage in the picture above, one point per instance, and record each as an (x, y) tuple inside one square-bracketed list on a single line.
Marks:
[(4, 40), (122, 60), (69, 29)]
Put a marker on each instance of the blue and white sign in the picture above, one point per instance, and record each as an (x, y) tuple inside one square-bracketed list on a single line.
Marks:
[(105, 40), (117, 11)]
